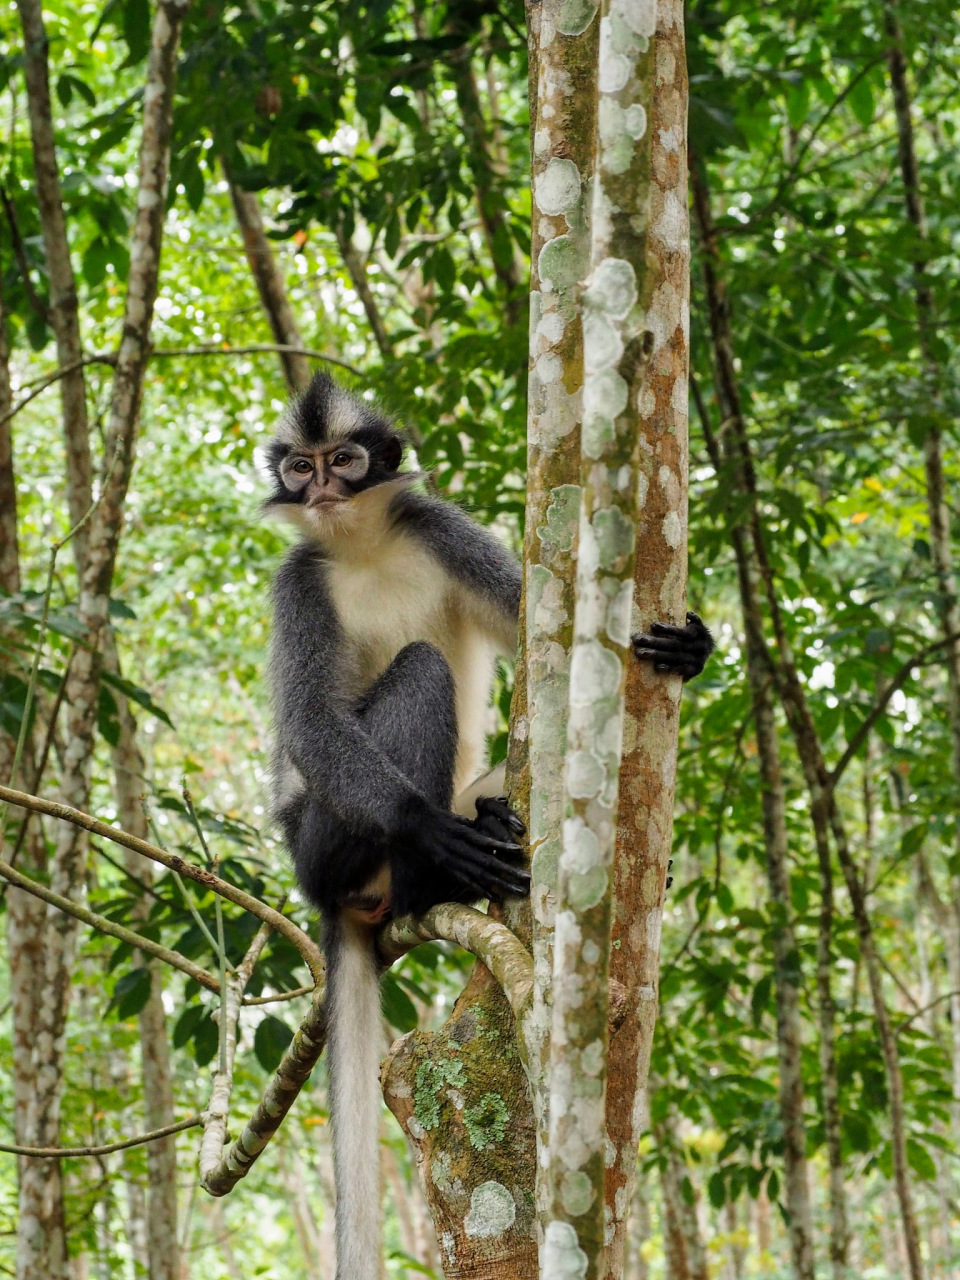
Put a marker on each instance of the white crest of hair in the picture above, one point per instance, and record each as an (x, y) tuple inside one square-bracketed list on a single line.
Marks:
[(354, 1049)]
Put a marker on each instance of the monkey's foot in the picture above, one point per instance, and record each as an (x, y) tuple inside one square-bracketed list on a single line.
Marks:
[(683, 650)]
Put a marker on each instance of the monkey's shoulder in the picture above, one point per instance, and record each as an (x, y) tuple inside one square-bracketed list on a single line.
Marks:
[(471, 554)]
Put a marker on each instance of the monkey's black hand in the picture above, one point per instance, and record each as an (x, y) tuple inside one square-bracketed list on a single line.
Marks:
[(681, 649), (455, 845), (496, 818)]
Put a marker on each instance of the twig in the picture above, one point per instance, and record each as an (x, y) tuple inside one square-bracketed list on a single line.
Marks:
[(60, 1153), (221, 946), (172, 958), (918, 1013), (218, 1109), (191, 905), (66, 813), (278, 996), (278, 1097), (254, 348), (858, 739), (48, 379)]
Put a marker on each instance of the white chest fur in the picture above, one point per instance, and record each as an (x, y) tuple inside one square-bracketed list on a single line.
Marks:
[(390, 593)]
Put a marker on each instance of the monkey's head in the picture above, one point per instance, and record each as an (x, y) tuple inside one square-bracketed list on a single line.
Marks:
[(329, 448)]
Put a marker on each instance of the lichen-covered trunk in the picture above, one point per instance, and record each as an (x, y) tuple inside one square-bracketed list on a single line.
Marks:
[(564, 54), (617, 345), (461, 1095), (648, 769)]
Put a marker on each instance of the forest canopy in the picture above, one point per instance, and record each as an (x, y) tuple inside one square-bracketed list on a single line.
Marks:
[(349, 190)]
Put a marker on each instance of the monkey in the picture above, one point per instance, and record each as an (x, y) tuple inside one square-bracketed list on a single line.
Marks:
[(388, 617)]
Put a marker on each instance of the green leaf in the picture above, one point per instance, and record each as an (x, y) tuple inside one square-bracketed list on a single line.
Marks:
[(136, 694), (398, 1009), (861, 102), (130, 993), (136, 29), (270, 1041), (206, 1041), (920, 1160)]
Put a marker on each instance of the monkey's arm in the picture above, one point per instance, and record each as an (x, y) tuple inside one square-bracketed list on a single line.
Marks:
[(680, 649)]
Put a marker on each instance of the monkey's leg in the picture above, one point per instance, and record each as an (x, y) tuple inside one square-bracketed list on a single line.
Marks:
[(409, 711)]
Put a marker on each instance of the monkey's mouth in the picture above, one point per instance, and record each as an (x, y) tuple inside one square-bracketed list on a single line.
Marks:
[(317, 504)]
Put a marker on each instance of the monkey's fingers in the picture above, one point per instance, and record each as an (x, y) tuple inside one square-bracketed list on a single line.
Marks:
[(489, 880), (498, 807), (517, 879)]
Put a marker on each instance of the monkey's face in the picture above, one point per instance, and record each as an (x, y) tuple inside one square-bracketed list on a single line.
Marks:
[(329, 448), (326, 476)]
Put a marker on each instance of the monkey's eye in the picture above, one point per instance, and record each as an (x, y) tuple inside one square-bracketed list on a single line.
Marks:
[(342, 460), (302, 467)]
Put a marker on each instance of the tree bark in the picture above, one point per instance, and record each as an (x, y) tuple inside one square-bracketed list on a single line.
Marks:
[(488, 188), (562, 148), (618, 345), (938, 512), (648, 768), (270, 285), (64, 319), (40, 1183), (357, 270), (41, 1220), (729, 463)]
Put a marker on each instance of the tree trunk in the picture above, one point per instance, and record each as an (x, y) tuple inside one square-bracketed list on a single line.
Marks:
[(63, 316), (562, 148), (40, 1226), (42, 1223), (461, 1095), (648, 768), (683, 1244), (729, 463), (488, 188), (270, 285), (938, 512), (129, 784), (618, 347), (357, 270)]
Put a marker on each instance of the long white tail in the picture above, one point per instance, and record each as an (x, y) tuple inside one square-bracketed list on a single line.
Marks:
[(354, 1040)]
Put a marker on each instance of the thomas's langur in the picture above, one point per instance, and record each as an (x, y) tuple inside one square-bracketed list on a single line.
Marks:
[(388, 617)]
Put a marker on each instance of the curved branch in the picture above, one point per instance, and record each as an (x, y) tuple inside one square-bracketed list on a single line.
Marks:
[(492, 942), (60, 1153), (66, 813), (67, 905), (278, 1097)]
